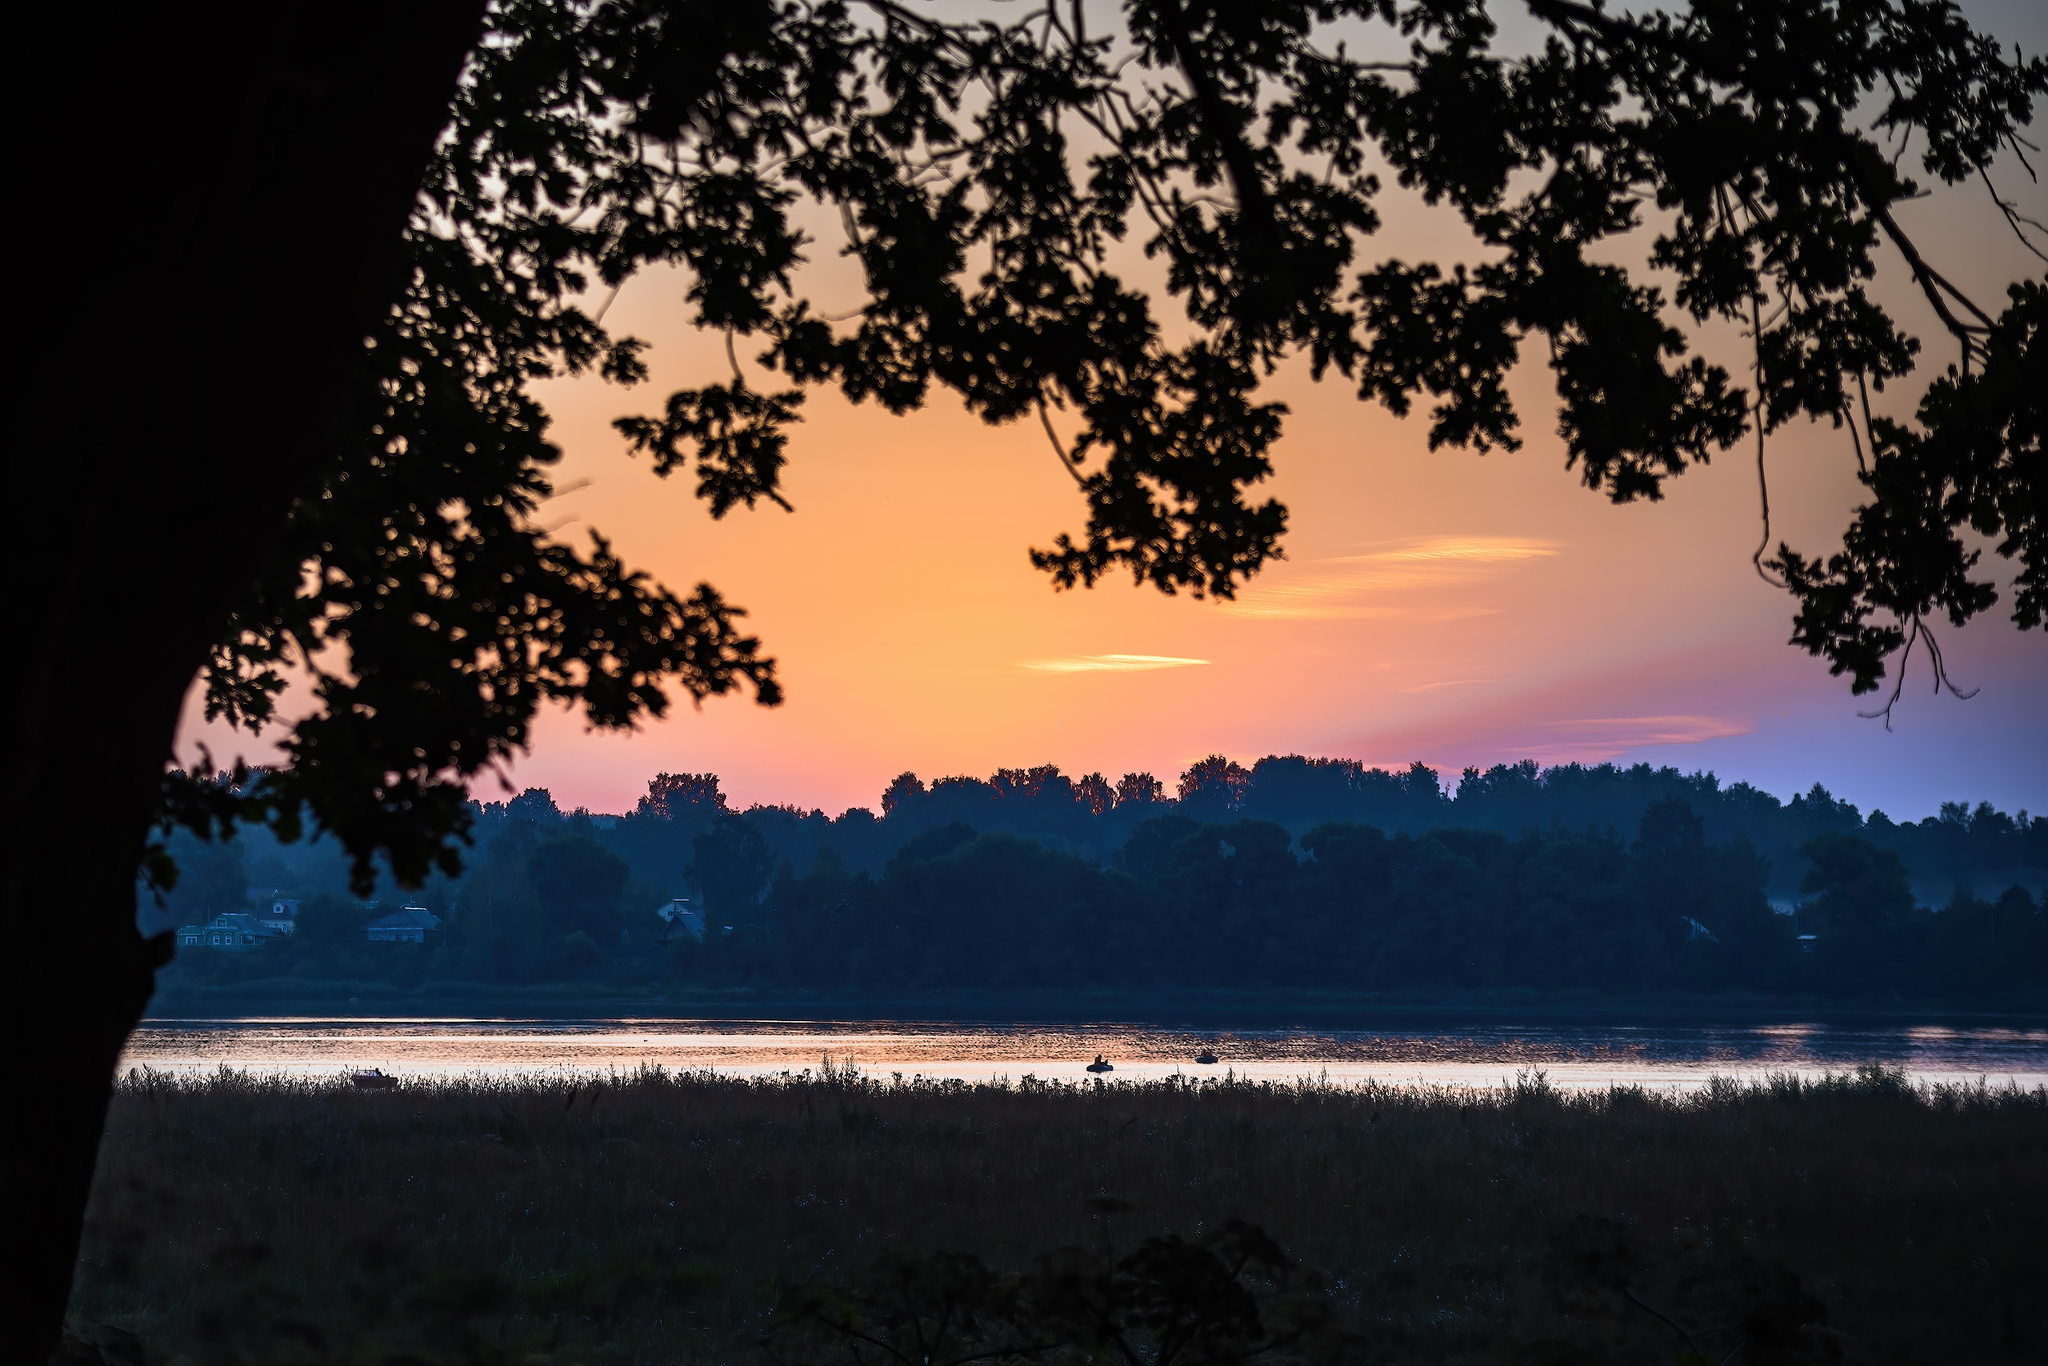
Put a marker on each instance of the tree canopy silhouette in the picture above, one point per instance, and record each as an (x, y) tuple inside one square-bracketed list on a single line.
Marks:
[(346, 466), (982, 174)]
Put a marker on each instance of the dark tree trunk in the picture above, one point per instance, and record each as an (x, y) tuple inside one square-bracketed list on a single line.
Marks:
[(214, 197)]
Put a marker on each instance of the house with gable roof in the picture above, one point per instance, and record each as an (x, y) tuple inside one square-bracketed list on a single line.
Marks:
[(280, 914), (679, 918), (407, 925)]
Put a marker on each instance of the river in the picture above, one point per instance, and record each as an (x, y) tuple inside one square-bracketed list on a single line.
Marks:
[(1475, 1054)]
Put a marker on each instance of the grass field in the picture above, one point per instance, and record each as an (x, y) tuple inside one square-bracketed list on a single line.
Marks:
[(662, 1217)]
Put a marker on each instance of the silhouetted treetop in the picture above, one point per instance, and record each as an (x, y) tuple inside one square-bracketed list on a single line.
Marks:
[(669, 793)]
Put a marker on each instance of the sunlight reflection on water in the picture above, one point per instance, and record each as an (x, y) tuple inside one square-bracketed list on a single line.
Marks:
[(1481, 1055)]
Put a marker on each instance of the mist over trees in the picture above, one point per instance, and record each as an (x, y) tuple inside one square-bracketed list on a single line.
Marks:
[(1290, 874)]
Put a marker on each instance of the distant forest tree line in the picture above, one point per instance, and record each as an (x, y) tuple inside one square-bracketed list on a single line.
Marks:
[(1294, 873)]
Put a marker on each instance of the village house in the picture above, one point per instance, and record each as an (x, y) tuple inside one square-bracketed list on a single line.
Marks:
[(679, 918), (280, 914), (233, 932), (407, 925)]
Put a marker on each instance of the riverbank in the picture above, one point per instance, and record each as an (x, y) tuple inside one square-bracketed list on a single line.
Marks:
[(662, 1218)]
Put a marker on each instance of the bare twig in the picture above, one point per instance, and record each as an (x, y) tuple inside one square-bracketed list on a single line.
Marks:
[(732, 359), (1058, 450), (565, 490), (1855, 437), (1898, 683), (1918, 630), (1763, 483), (2012, 215), (2018, 143), (1863, 390), (1676, 1326), (1934, 286)]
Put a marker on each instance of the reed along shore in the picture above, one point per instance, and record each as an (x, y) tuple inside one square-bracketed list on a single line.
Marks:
[(663, 1217)]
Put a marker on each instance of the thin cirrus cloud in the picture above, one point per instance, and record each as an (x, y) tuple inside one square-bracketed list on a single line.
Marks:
[(1501, 733), (1605, 736), (1448, 683), (1384, 583), (1121, 664)]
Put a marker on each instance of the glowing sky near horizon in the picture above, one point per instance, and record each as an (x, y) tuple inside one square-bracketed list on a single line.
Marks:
[(1447, 607)]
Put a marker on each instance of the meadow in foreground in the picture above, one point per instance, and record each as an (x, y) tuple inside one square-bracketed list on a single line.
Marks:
[(662, 1217)]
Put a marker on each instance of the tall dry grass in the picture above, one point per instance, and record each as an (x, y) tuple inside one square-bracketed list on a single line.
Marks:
[(658, 1217)]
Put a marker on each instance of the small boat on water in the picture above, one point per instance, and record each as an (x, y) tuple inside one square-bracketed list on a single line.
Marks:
[(1100, 1066), (372, 1079), (1206, 1058)]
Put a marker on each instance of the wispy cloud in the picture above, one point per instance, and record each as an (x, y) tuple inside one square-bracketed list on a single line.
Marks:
[(1449, 683), (1595, 739), (1458, 548), (1328, 595), (1371, 584), (1082, 664), (1628, 731)]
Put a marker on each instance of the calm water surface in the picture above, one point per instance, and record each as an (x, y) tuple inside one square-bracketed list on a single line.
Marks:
[(1481, 1055)]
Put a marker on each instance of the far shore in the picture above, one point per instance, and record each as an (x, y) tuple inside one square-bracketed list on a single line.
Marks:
[(1207, 1010)]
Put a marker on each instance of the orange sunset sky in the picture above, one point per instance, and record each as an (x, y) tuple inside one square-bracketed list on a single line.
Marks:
[(1448, 607)]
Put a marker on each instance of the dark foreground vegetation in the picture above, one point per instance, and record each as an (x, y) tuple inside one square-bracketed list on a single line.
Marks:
[(661, 1217), (1295, 874)]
